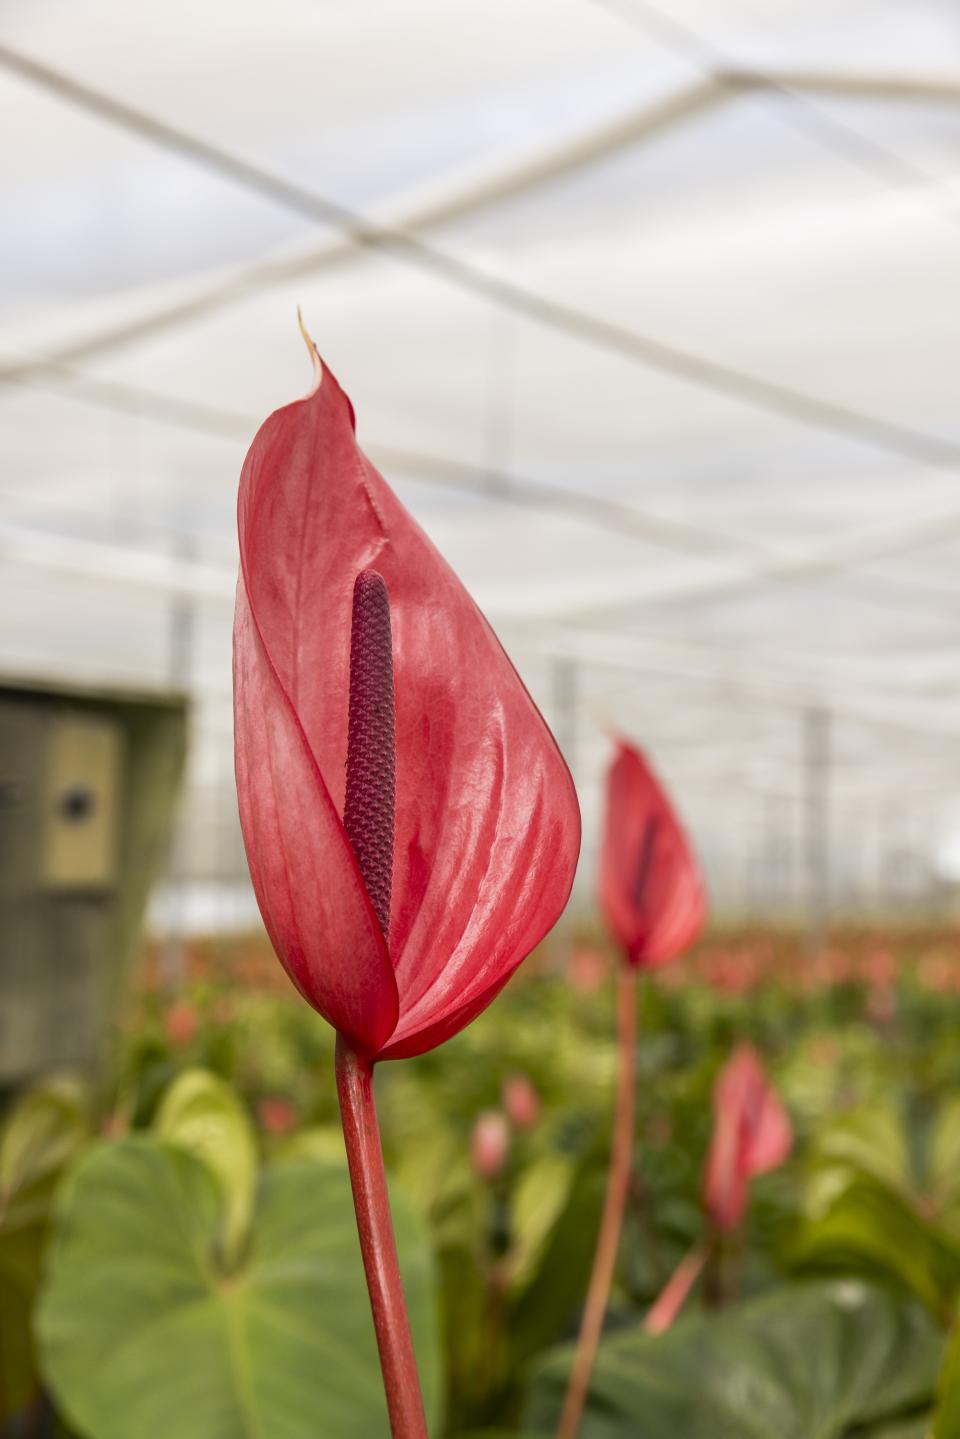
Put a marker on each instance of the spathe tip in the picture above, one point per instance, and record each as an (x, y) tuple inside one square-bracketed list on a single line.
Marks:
[(314, 354)]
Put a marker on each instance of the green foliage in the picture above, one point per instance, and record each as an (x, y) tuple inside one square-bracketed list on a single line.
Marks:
[(947, 1424), (813, 1361), (903, 1429), (883, 1202), (43, 1132), (873, 1230), (225, 1075), (145, 1329), (552, 1297), (202, 1114)]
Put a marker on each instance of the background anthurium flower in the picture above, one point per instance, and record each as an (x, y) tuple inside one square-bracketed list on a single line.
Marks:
[(651, 893), (752, 1134), (653, 901), (487, 827)]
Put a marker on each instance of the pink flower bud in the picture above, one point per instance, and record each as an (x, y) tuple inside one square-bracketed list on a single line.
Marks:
[(752, 1134), (521, 1102), (490, 1143)]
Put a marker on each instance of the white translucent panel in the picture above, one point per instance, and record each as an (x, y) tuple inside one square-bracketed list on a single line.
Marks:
[(736, 505)]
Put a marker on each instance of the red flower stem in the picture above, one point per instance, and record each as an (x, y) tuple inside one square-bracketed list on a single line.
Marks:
[(618, 1181), (361, 1134), (664, 1310)]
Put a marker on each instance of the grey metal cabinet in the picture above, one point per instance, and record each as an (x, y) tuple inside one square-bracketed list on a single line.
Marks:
[(88, 784)]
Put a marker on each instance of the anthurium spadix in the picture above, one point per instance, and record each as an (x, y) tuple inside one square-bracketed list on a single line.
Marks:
[(410, 826)]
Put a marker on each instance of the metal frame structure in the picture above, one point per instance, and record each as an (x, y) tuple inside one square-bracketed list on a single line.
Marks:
[(876, 726)]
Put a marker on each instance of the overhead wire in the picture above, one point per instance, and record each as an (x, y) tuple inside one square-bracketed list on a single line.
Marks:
[(713, 62), (463, 199), (572, 155), (446, 472), (888, 436), (439, 471), (433, 468)]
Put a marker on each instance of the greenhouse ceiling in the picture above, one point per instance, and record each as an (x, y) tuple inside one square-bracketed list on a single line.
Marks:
[(648, 312)]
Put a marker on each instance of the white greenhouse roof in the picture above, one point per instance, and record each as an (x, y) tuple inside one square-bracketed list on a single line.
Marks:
[(650, 315)]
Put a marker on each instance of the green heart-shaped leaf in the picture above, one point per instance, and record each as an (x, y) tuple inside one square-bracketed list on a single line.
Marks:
[(45, 1130), (808, 1361), (143, 1333), (873, 1230), (201, 1113)]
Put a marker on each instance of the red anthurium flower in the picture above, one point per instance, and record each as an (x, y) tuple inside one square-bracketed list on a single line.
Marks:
[(751, 1135), (409, 847), (653, 901), (651, 893)]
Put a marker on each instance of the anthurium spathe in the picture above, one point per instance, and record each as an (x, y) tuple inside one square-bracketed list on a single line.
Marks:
[(651, 893), (402, 930), (752, 1134)]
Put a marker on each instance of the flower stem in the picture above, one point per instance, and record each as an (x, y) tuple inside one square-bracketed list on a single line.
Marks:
[(618, 1180), (664, 1310), (361, 1134)]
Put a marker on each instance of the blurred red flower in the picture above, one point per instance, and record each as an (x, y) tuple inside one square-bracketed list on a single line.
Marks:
[(937, 972), (881, 1004), (521, 1102), (879, 968), (401, 922), (181, 1023), (587, 969), (751, 1135), (490, 1144), (277, 1115), (651, 893)]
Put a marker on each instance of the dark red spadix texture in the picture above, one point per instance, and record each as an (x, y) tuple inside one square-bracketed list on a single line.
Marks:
[(397, 954), (651, 893), (370, 803), (752, 1134)]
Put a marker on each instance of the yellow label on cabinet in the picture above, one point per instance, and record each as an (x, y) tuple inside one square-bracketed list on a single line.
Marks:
[(82, 803)]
